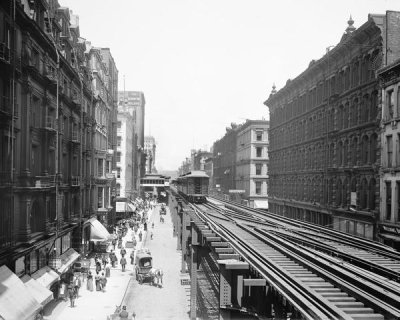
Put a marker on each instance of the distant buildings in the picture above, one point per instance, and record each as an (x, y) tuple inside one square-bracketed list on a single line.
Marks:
[(252, 163), (150, 151), (134, 103), (237, 165)]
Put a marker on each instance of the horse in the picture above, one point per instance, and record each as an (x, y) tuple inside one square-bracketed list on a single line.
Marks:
[(157, 274)]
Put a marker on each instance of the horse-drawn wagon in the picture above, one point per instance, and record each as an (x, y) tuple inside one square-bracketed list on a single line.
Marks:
[(143, 266)]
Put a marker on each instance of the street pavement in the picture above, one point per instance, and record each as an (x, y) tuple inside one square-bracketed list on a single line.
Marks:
[(149, 302), (171, 300)]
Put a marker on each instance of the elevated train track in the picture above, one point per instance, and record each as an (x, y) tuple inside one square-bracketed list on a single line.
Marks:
[(321, 275)]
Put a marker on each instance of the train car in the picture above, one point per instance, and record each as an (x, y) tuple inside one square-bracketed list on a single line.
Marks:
[(193, 186)]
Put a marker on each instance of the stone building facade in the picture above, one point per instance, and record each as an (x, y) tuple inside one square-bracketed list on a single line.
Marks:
[(325, 142), (150, 150), (389, 218), (252, 164), (48, 126)]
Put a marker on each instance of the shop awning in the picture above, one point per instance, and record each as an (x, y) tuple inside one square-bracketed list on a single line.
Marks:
[(67, 259), (16, 302), (260, 204), (46, 276), (124, 207), (41, 294), (97, 231)]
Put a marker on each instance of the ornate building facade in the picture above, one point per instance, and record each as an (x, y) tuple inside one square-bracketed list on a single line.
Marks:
[(150, 150), (325, 143), (49, 120), (389, 218)]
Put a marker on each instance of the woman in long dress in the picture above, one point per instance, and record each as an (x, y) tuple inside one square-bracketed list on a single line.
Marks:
[(98, 282), (89, 283), (108, 270)]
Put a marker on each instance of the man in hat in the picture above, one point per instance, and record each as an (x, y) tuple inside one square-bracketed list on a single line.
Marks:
[(124, 314)]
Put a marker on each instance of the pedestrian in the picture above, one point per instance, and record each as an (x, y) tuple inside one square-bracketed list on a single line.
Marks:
[(104, 260), (113, 258), (123, 314), (103, 281), (140, 235), (98, 264), (98, 283), (77, 285), (151, 235), (123, 251), (114, 242), (152, 225), (89, 283), (108, 270), (134, 242), (123, 263), (132, 256), (71, 294)]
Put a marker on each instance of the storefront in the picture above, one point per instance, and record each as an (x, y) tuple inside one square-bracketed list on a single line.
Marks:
[(16, 301), (49, 279), (39, 292), (99, 236)]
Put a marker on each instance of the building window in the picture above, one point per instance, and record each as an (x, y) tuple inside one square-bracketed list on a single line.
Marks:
[(100, 197), (259, 152), (118, 172), (259, 135), (258, 187), (258, 169), (119, 139), (119, 124), (118, 158), (388, 200), (390, 103), (100, 168), (389, 141)]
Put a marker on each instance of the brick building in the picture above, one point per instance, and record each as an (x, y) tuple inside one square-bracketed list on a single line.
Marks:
[(49, 123), (325, 143)]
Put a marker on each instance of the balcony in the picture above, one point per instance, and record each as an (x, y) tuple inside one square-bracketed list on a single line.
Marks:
[(110, 175), (76, 100), (75, 137), (50, 74), (45, 181), (4, 53), (50, 124), (75, 181)]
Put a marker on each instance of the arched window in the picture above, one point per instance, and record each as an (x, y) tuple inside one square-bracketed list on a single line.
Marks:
[(365, 150), (373, 148), (345, 153), (365, 109), (345, 193), (339, 154), (339, 192), (372, 187), (346, 110), (340, 117), (37, 219), (364, 194), (353, 151), (354, 113), (330, 191), (374, 106)]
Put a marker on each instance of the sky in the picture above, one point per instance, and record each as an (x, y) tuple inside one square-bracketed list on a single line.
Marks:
[(203, 64)]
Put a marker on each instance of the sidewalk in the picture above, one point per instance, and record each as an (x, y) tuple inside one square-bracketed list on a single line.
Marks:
[(96, 305)]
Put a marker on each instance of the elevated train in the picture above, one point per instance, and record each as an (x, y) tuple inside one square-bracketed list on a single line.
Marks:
[(193, 186)]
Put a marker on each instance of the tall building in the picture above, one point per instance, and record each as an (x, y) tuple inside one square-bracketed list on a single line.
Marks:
[(150, 151), (126, 152), (135, 102), (325, 141), (51, 122), (389, 218), (104, 141), (252, 163)]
